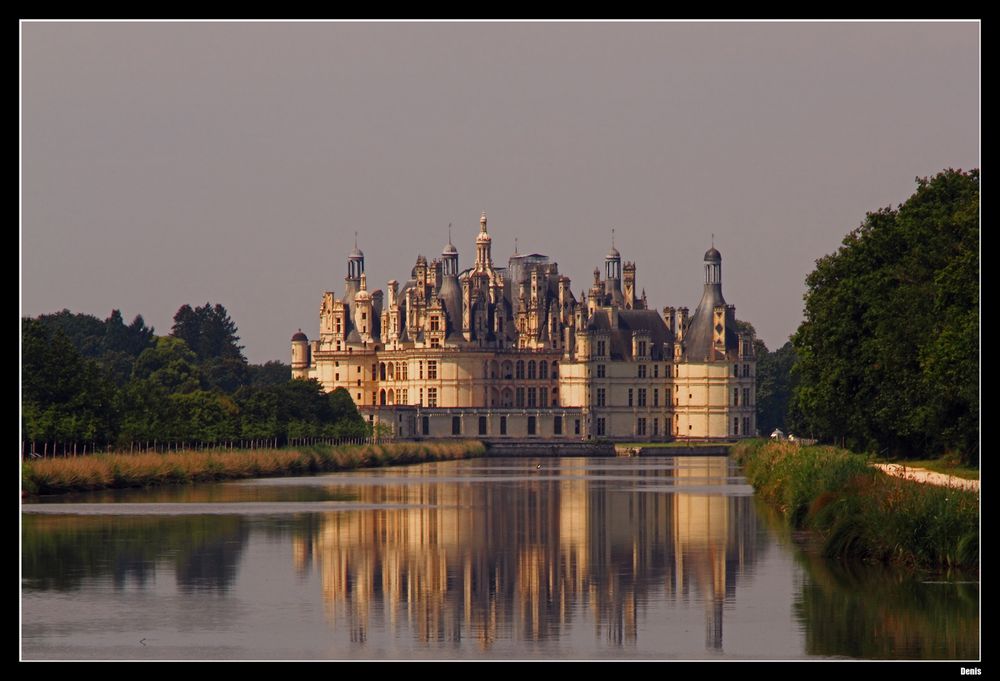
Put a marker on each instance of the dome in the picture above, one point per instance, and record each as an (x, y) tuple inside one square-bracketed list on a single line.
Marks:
[(299, 336), (613, 254), (712, 255), (362, 295), (449, 249)]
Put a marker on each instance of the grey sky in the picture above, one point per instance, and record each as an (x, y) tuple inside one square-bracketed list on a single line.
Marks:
[(167, 163)]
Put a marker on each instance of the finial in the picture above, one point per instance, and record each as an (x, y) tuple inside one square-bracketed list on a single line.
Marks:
[(713, 239), (612, 237), (449, 232), (482, 222), (355, 239), (515, 245)]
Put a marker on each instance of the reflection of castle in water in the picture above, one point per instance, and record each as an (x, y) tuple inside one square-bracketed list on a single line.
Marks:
[(522, 560)]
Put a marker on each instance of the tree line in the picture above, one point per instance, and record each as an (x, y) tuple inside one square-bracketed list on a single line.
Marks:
[(886, 359), (109, 384)]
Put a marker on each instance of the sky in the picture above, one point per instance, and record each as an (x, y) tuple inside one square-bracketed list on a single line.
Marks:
[(165, 164)]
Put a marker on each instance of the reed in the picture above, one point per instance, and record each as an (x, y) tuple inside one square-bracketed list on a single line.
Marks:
[(859, 511), (103, 471)]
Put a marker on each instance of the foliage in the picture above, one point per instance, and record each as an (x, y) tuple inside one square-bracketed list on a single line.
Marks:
[(774, 388), (208, 331), (888, 352), (87, 381), (859, 511), (64, 395)]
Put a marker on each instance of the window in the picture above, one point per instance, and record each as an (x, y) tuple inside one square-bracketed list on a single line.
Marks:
[(601, 395), (746, 425), (640, 426), (338, 325), (656, 397), (482, 425), (364, 315), (576, 426), (420, 370), (374, 371), (426, 424), (600, 371), (656, 371), (432, 397), (642, 397), (746, 397), (435, 323), (435, 342), (656, 426), (456, 425), (600, 348), (531, 425), (519, 370), (630, 391), (531, 369), (543, 370), (519, 397), (555, 397), (746, 370), (421, 397), (736, 370), (405, 371), (642, 371), (532, 397), (543, 396), (642, 348), (600, 426), (336, 377), (374, 397), (503, 425), (736, 426), (736, 397), (557, 425), (432, 369), (403, 400)]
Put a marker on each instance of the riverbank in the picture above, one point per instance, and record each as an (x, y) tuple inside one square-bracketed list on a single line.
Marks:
[(109, 471), (860, 512)]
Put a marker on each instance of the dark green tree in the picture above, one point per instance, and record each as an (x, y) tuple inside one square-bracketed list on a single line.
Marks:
[(208, 331), (887, 355)]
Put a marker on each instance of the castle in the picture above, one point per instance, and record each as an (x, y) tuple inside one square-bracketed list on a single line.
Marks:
[(510, 352)]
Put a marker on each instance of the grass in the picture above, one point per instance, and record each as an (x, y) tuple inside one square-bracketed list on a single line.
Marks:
[(860, 512), (104, 471)]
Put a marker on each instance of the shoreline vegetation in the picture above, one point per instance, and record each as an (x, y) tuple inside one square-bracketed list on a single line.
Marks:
[(116, 471), (859, 512)]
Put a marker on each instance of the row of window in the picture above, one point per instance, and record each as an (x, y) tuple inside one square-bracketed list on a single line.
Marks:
[(736, 370), (602, 347), (746, 425), (484, 422), (636, 397)]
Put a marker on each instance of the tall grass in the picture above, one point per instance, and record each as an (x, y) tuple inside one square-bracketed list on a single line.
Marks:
[(103, 471), (859, 511)]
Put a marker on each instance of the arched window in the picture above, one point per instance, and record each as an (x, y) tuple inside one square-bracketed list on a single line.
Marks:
[(381, 396), (543, 370), (520, 369), (555, 370), (381, 372), (388, 371), (531, 369), (392, 396)]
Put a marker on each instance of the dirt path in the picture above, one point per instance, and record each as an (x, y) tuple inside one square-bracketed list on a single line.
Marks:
[(929, 477)]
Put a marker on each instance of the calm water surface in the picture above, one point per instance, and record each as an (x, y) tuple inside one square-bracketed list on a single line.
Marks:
[(658, 558)]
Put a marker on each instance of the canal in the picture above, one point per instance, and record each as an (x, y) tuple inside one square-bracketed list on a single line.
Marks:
[(641, 558)]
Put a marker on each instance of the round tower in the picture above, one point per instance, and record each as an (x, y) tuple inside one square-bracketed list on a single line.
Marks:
[(300, 354)]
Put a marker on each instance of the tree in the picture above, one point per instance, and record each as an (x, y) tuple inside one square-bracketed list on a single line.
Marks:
[(64, 395), (774, 387), (887, 355), (208, 331), (269, 373), (170, 365)]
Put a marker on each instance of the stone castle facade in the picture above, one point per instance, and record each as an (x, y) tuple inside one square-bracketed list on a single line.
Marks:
[(510, 352)]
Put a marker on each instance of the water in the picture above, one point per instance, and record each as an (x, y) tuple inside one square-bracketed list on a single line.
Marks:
[(649, 558)]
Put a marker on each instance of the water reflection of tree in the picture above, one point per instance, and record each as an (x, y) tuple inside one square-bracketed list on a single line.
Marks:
[(521, 560), (61, 552), (872, 612)]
